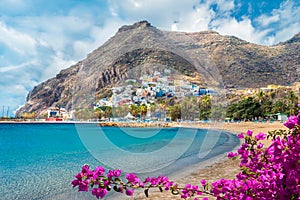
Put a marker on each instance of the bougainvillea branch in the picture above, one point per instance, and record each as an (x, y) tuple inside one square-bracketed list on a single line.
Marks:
[(101, 182), (267, 173)]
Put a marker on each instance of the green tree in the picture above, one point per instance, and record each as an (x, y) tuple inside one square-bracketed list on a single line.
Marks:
[(292, 101), (152, 108), (99, 113), (246, 109), (107, 111), (134, 110), (265, 102), (205, 108), (143, 109), (84, 114), (120, 111), (218, 112), (27, 115), (260, 96), (279, 107), (174, 112), (163, 106), (189, 108)]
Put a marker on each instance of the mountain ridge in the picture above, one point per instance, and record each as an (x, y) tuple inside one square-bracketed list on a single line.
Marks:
[(226, 61)]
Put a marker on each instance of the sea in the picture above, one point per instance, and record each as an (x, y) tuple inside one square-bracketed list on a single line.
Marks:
[(39, 160)]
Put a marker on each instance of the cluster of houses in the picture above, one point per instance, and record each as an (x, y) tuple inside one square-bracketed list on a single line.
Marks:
[(148, 88)]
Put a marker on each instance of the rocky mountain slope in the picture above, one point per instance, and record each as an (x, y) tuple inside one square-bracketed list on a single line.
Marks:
[(207, 58)]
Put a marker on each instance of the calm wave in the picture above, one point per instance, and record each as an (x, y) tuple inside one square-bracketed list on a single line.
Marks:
[(38, 161)]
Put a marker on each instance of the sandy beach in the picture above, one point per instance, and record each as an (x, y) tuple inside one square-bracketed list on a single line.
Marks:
[(215, 168)]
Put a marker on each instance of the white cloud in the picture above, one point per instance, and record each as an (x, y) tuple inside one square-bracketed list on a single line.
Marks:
[(197, 20), (16, 40), (281, 23), (286, 33), (242, 29), (57, 31), (225, 5), (12, 95), (289, 21), (265, 20), (14, 67), (163, 14), (57, 63)]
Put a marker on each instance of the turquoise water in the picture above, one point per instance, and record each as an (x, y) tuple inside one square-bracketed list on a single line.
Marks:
[(38, 161)]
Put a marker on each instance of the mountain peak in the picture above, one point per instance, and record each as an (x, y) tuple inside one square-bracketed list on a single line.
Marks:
[(140, 24)]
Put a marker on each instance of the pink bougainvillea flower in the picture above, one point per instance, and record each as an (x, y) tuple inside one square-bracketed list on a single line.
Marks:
[(260, 136), (129, 192), (249, 133), (241, 135), (291, 122)]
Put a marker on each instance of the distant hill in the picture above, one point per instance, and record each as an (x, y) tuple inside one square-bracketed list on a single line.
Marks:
[(208, 58)]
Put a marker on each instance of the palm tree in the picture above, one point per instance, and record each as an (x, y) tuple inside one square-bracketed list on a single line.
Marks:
[(163, 106), (143, 109), (98, 113), (174, 112), (59, 110), (134, 110), (260, 96), (206, 101), (292, 103), (152, 109), (120, 111), (108, 112), (279, 107), (189, 108), (205, 107)]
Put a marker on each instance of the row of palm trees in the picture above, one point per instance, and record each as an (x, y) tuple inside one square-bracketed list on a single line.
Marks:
[(263, 105)]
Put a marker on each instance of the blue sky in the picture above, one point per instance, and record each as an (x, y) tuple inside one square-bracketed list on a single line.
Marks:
[(38, 38)]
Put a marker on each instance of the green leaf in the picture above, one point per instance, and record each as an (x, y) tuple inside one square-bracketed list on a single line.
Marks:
[(117, 180), (116, 188), (160, 188), (175, 192), (108, 188), (146, 192)]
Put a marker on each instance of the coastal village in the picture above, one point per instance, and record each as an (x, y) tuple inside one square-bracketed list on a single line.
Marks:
[(148, 90), (145, 90)]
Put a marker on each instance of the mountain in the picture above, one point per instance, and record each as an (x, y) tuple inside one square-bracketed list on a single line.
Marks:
[(206, 58)]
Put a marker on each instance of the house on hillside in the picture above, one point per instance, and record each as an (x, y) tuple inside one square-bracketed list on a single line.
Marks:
[(204, 91), (57, 114), (282, 117), (279, 116)]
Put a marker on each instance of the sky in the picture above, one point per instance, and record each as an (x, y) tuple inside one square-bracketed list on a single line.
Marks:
[(38, 38)]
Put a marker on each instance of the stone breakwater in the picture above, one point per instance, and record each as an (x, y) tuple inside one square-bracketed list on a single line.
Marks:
[(135, 124)]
